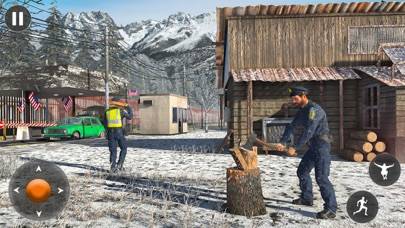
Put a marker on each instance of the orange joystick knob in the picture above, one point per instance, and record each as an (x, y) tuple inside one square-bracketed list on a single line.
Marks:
[(38, 190)]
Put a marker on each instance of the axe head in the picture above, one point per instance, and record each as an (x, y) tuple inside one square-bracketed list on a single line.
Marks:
[(250, 142)]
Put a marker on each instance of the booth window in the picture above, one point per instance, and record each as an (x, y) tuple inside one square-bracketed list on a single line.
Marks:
[(371, 112), (175, 115), (147, 102)]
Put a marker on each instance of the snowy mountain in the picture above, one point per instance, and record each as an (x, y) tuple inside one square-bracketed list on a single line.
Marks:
[(160, 50), (179, 32)]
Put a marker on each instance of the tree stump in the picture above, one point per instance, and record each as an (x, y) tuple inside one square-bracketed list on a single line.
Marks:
[(244, 189), (244, 192)]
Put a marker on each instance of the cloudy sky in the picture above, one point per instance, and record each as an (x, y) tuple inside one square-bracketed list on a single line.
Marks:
[(126, 11)]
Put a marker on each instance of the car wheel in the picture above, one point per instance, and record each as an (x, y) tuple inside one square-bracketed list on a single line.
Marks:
[(76, 135), (102, 134)]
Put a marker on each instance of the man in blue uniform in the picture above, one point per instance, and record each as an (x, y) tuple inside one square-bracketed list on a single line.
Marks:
[(316, 134), (115, 133)]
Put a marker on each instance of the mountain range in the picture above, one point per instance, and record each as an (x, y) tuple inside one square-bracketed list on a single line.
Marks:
[(158, 52)]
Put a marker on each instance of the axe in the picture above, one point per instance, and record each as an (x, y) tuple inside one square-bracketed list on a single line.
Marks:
[(252, 140)]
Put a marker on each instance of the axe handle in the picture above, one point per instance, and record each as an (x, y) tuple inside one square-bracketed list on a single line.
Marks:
[(271, 146)]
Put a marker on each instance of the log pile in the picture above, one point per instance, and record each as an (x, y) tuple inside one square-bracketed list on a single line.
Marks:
[(244, 189), (362, 146)]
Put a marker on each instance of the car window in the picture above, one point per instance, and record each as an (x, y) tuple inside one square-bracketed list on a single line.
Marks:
[(94, 121), (86, 122), (70, 121)]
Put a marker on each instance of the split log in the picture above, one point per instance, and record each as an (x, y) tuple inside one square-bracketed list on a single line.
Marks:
[(250, 158), (370, 156), (380, 147), (244, 159), (238, 158), (352, 155), (364, 135), (244, 192), (362, 146)]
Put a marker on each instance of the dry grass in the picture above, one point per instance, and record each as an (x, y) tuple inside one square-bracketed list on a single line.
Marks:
[(9, 164), (151, 203)]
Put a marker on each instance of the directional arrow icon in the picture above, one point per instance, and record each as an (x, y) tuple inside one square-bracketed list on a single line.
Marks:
[(60, 190), (39, 213), (17, 190), (38, 169)]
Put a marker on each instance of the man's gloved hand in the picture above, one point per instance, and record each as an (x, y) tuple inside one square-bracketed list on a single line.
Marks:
[(292, 152), (280, 147)]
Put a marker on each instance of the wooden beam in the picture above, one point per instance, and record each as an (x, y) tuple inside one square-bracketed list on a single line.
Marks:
[(249, 108), (321, 92), (74, 106), (341, 117)]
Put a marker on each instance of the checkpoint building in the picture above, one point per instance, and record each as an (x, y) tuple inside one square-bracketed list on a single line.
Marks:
[(50, 84)]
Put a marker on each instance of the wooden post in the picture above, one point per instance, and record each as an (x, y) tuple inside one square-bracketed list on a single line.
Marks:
[(341, 117), (74, 106), (249, 108), (321, 92)]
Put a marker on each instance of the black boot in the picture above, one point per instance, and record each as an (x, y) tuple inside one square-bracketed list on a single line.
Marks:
[(326, 214), (300, 201), (114, 168)]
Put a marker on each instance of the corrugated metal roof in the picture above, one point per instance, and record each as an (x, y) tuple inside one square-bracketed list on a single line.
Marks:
[(397, 56), (330, 8), (294, 74), (383, 74)]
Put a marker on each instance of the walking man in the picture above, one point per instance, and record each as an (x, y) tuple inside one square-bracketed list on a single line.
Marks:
[(115, 133), (316, 134)]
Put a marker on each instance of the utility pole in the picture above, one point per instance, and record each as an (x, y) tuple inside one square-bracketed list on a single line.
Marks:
[(184, 80), (107, 70)]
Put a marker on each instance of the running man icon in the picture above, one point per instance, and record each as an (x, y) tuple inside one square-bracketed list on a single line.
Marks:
[(362, 206), (362, 203), (384, 169)]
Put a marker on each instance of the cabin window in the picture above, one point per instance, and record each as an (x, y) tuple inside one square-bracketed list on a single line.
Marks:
[(367, 39), (371, 112)]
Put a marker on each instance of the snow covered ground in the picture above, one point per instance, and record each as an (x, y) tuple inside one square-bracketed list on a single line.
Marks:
[(176, 181)]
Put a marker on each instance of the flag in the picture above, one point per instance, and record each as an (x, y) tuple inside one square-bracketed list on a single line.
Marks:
[(34, 101), (67, 103), (133, 92), (21, 105)]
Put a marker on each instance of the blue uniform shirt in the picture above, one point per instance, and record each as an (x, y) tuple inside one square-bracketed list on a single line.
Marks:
[(313, 118)]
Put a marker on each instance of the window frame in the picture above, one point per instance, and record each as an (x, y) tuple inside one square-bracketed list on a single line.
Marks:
[(373, 107), (175, 113)]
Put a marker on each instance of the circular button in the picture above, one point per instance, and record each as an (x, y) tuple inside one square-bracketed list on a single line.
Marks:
[(38, 190), (362, 206), (18, 18), (384, 169)]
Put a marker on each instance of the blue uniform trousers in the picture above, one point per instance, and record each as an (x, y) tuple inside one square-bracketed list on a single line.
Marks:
[(318, 157), (116, 138)]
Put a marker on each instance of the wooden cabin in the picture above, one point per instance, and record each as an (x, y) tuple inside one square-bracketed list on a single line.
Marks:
[(335, 50)]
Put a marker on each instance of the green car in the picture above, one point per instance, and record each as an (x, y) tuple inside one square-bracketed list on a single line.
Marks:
[(76, 128)]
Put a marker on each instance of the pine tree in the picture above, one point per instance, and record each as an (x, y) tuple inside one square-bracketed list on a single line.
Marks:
[(85, 52), (57, 47), (16, 51)]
